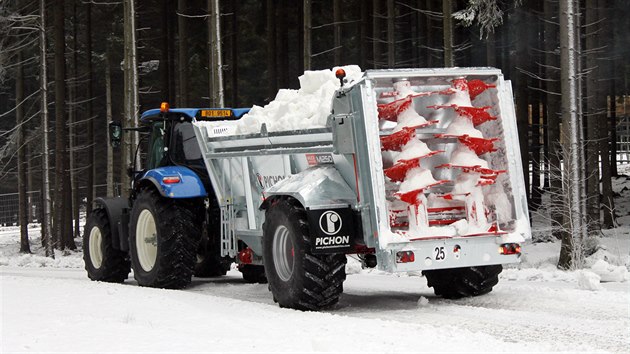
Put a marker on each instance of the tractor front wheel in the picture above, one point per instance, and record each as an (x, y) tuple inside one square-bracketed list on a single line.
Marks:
[(102, 261)]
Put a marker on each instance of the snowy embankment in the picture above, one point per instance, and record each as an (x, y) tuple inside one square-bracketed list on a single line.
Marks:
[(534, 308)]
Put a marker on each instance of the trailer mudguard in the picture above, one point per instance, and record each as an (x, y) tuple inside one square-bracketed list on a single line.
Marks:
[(114, 207), (328, 201), (318, 187), (175, 182)]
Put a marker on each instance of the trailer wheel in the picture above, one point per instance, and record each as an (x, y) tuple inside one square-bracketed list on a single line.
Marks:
[(463, 282), (102, 261), (253, 273), (163, 238), (297, 278)]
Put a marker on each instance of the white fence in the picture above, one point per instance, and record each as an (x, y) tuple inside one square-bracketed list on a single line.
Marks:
[(9, 204), (623, 139)]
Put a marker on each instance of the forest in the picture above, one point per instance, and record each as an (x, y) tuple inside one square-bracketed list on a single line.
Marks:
[(68, 68)]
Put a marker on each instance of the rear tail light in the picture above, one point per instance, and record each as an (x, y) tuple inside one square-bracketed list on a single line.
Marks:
[(405, 257), (246, 256), (510, 248)]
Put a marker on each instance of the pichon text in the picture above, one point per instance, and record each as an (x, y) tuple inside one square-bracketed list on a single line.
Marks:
[(332, 240)]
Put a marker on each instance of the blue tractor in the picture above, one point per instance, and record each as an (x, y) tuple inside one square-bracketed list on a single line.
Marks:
[(168, 229)]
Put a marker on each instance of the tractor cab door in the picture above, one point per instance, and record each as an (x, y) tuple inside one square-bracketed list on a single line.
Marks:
[(156, 152), (184, 150)]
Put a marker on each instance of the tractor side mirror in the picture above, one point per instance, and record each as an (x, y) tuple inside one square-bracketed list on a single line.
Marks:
[(115, 133)]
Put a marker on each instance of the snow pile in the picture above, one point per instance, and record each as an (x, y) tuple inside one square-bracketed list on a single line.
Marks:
[(465, 183), (461, 126), (423, 302), (353, 265), (415, 148), (308, 107), (403, 89), (409, 118), (608, 272), (588, 280), (417, 178), (72, 259), (495, 196), (463, 156), (10, 255), (461, 93)]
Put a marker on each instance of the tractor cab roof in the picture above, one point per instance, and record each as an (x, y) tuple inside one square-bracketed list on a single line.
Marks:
[(198, 114)]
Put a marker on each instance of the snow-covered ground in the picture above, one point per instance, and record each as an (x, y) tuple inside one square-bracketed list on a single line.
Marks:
[(51, 306)]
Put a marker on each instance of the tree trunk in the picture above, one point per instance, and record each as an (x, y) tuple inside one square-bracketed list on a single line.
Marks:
[(214, 53), (491, 48), (574, 195), (535, 157), (391, 34), (593, 116), (608, 201), (363, 35), (447, 23), (430, 35), (182, 65), (272, 76), (25, 246), (282, 36), (307, 34), (46, 233), (30, 184), (72, 118), (126, 144), (108, 114), (165, 79), (171, 24), (234, 53), (613, 128), (552, 62), (522, 92), (91, 170), (337, 18), (376, 33), (129, 159), (61, 185)]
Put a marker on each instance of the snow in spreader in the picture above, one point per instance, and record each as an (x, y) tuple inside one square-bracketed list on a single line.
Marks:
[(410, 169)]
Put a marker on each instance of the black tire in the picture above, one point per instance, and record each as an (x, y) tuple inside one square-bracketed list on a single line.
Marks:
[(114, 265), (209, 262), (457, 283), (253, 273), (177, 233), (315, 281)]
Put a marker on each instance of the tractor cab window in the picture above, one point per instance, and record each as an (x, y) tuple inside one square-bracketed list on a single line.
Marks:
[(155, 151), (184, 147)]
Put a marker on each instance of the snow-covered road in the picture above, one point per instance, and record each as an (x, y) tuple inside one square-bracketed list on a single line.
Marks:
[(60, 310)]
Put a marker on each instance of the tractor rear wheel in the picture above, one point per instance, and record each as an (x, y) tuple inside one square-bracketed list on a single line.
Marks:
[(463, 282), (163, 238), (102, 261), (297, 278)]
